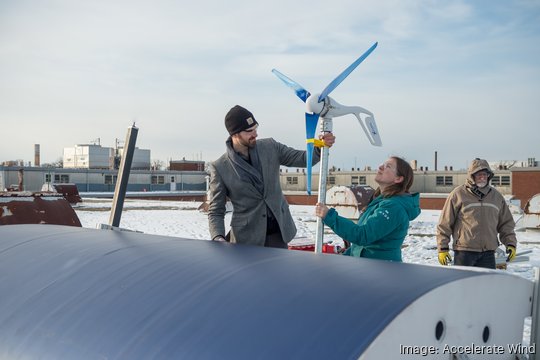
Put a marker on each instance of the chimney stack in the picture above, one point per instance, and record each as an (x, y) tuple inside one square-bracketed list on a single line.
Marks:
[(37, 158)]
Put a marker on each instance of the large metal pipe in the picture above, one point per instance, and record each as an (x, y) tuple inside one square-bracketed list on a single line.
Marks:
[(94, 294)]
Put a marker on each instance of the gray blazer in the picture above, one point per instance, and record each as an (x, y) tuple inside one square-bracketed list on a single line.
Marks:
[(248, 223)]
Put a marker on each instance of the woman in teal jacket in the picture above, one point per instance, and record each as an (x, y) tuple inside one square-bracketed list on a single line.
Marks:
[(383, 224)]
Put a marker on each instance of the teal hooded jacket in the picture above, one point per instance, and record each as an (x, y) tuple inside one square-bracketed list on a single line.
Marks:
[(381, 228)]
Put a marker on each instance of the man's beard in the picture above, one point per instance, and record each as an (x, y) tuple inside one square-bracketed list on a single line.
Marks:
[(250, 143), (481, 184)]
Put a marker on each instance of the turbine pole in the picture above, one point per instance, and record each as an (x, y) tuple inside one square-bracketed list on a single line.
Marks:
[(326, 126)]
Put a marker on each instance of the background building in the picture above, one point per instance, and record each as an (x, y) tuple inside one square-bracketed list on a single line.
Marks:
[(141, 159), (193, 165), (103, 180), (434, 186), (89, 156)]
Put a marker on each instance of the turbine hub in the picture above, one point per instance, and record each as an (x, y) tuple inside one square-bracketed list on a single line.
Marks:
[(313, 105)]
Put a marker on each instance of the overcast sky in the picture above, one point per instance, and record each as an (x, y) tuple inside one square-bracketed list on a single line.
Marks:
[(458, 77)]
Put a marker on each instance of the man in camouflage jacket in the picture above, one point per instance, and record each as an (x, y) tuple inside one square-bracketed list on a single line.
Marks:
[(477, 217)]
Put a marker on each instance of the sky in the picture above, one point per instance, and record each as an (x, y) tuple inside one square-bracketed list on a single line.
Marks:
[(461, 78)]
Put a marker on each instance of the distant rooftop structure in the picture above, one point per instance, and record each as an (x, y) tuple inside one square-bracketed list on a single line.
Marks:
[(186, 165), (509, 164), (88, 156), (494, 164), (92, 156)]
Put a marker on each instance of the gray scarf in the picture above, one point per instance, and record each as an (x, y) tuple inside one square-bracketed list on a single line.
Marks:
[(250, 173), (478, 192)]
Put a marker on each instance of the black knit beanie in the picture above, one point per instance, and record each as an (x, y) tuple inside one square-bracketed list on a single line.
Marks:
[(239, 119)]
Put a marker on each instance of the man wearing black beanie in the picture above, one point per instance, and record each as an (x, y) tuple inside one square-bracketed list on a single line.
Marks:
[(248, 175)]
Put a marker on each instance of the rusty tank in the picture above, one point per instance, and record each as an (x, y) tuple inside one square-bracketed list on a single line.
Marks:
[(531, 214), (25, 207), (349, 200)]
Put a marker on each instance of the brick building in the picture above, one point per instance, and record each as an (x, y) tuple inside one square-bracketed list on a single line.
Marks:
[(525, 183), (186, 165)]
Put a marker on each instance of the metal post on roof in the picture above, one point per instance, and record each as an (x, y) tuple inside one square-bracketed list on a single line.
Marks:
[(326, 126), (123, 176)]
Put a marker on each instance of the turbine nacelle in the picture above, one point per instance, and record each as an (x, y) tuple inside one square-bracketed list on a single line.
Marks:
[(330, 108)]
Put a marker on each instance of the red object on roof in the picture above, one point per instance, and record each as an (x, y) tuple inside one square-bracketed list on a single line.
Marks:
[(26, 207)]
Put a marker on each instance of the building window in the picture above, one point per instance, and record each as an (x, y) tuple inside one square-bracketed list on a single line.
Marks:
[(444, 180), (358, 180), (110, 179), (292, 180), (158, 179), (503, 180), (61, 179), (331, 180), (47, 178)]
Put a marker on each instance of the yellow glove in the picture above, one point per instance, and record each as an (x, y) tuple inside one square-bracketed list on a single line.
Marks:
[(511, 251), (444, 257)]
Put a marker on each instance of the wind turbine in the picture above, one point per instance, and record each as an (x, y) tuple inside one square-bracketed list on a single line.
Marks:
[(322, 105)]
